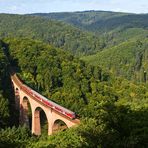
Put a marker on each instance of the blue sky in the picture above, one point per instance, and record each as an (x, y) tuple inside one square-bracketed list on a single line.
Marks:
[(46, 6)]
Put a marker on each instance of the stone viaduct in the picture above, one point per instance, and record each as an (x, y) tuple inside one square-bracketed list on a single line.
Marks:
[(23, 98)]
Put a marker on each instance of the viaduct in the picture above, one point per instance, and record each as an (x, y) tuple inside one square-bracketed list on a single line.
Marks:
[(24, 97)]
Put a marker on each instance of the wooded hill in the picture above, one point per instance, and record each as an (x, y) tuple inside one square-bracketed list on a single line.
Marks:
[(102, 29), (100, 21), (128, 59), (83, 20), (112, 28), (113, 109), (56, 33)]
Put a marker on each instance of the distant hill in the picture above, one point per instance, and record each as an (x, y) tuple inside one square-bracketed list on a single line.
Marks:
[(116, 35), (100, 21), (56, 33), (112, 28)]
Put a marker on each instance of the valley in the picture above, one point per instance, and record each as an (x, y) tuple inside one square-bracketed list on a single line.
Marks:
[(94, 63)]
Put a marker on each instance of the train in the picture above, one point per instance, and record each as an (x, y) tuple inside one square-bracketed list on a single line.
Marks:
[(45, 101)]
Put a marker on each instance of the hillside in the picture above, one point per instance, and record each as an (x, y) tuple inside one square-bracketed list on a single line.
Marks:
[(113, 109), (112, 28), (7, 110), (100, 21), (81, 19), (56, 33), (128, 59), (107, 109)]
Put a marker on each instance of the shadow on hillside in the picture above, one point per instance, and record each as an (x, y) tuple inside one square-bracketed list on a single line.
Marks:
[(128, 128)]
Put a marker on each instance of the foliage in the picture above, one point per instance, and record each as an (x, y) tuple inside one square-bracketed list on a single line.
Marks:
[(99, 21), (14, 137), (4, 109), (113, 110), (53, 72), (128, 59), (53, 32), (112, 28)]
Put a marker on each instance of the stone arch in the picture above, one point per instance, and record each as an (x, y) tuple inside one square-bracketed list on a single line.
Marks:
[(52, 115), (59, 125), (40, 121), (26, 112)]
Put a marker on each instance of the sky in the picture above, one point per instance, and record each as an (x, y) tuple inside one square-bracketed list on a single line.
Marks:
[(46, 6)]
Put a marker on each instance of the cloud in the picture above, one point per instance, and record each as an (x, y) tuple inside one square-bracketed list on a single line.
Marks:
[(29, 6), (13, 8)]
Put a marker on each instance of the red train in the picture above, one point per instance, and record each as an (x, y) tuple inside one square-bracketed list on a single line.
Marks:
[(51, 104)]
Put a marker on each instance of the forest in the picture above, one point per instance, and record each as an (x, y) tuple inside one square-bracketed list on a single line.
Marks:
[(128, 59), (108, 90), (99, 21), (57, 33)]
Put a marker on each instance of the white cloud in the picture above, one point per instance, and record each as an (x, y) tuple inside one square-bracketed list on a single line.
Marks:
[(29, 6), (13, 8)]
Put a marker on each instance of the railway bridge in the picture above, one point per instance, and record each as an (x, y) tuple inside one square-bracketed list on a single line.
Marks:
[(24, 95)]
